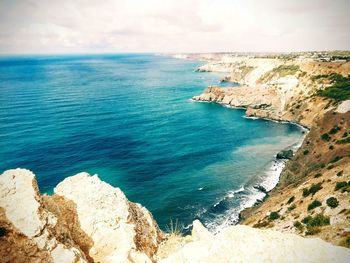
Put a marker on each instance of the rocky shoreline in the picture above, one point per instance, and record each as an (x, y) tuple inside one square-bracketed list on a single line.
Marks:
[(322, 154)]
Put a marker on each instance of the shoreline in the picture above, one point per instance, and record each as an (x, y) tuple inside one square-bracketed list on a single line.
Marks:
[(261, 196), (258, 197), (303, 127)]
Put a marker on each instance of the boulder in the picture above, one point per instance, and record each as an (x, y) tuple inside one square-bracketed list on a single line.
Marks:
[(285, 154)]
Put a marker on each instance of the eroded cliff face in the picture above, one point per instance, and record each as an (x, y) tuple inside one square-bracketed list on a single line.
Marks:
[(274, 88), (86, 220)]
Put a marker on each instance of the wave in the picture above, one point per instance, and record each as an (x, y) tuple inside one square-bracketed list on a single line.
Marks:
[(227, 210)]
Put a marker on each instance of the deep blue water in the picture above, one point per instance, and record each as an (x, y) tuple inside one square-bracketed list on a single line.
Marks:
[(129, 119)]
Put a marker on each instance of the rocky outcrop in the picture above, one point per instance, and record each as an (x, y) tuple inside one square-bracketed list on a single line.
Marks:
[(245, 244), (86, 220), (31, 232)]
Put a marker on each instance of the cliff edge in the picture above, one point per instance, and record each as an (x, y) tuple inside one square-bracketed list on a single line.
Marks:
[(88, 220)]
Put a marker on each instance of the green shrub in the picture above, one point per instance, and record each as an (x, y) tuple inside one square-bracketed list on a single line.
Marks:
[(326, 137), (3, 232), (336, 159), (319, 220), (329, 167), (263, 223), (306, 152), (313, 205), (306, 220), (331, 147), (346, 242), (318, 175), (292, 207), (332, 202), (343, 141), (315, 188), (305, 192), (334, 130), (274, 216), (345, 134), (291, 199), (298, 225), (340, 173), (339, 89), (340, 185)]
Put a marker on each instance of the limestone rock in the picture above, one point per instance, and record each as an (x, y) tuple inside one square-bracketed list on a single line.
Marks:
[(119, 229), (245, 244), (344, 107), (29, 228), (87, 220)]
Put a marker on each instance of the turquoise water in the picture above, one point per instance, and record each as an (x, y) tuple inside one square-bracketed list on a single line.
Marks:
[(129, 119)]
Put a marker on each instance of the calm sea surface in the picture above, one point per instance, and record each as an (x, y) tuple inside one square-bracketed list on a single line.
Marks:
[(129, 119)]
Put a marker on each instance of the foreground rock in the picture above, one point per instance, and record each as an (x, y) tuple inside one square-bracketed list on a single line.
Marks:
[(86, 220), (245, 244)]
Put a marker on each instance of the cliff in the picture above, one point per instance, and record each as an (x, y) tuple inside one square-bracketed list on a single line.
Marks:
[(87, 220), (312, 197)]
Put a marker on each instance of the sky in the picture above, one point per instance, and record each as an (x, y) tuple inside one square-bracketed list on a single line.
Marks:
[(118, 26)]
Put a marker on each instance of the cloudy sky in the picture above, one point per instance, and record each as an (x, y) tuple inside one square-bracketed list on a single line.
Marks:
[(96, 26)]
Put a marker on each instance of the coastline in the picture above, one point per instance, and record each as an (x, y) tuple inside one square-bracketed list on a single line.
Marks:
[(260, 196), (291, 91)]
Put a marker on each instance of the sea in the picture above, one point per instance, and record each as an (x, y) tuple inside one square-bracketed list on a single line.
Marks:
[(129, 119)]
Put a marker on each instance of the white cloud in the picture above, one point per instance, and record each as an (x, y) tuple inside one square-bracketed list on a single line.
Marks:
[(44, 26)]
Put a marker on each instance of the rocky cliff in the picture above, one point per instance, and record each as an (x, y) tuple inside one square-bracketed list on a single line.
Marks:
[(88, 220), (312, 197)]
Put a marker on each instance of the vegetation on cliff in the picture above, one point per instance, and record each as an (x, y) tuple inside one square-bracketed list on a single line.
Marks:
[(339, 88)]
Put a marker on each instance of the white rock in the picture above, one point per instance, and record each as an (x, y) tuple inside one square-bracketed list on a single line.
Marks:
[(245, 244), (104, 216), (344, 107), (19, 199), (23, 207)]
